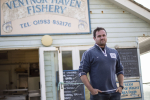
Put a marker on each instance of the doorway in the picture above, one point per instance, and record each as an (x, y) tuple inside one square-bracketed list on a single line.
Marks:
[(19, 74), (51, 73)]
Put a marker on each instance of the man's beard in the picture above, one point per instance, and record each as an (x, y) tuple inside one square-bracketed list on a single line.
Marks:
[(102, 44)]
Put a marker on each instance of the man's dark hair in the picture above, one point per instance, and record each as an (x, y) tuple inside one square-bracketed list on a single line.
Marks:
[(98, 29)]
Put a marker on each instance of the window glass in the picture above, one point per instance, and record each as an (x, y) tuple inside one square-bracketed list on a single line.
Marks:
[(67, 60), (81, 53)]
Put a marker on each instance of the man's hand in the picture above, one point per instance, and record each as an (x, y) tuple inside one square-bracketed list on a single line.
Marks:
[(88, 85), (119, 89), (95, 91)]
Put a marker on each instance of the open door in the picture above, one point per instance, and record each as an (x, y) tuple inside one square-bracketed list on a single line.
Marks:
[(51, 73)]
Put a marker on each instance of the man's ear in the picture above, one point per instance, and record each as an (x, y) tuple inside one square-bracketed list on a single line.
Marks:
[(94, 38)]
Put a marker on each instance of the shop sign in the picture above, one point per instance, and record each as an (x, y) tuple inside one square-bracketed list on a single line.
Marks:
[(40, 17), (131, 90)]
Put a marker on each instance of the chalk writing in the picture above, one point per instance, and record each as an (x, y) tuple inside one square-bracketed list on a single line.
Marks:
[(129, 60), (73, 91)]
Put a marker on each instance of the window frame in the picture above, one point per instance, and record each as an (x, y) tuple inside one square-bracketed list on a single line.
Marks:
[(75, 54)]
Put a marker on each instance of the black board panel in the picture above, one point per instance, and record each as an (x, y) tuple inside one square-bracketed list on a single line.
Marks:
[(129, 60), (73, 91)]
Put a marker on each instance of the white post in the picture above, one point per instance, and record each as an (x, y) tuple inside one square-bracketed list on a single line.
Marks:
[(42, 74), (61, 75), (140, 71)]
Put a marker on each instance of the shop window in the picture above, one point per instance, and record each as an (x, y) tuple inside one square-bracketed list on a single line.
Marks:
[(67, 60), (81, 53)]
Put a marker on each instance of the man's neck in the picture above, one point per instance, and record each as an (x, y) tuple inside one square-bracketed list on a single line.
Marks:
[(102, 48)]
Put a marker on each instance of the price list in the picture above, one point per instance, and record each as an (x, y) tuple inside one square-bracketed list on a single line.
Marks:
[(129, 60), (73, 86)]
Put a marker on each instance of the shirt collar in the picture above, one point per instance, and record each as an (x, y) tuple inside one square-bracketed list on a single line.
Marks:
[(104, 52)]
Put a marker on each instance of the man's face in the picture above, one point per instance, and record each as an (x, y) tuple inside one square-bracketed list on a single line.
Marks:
[(101, 38)]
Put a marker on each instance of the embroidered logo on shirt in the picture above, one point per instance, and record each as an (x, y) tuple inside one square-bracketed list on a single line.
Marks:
[(112, 55)]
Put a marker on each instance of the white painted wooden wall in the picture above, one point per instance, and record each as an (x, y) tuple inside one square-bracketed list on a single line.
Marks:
[(122, 27)]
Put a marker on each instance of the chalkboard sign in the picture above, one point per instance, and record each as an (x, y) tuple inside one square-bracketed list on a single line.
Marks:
[(73, 91), (129, 60)]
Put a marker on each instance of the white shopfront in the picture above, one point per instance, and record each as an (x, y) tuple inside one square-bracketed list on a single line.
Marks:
[(54, 34)]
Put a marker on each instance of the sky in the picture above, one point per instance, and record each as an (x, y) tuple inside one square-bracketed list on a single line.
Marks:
[(145, 62), (145, 3), (145, 65)]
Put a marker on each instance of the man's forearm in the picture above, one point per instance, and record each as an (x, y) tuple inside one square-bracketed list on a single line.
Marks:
[(120, 79), (89, 86), (86, 82)]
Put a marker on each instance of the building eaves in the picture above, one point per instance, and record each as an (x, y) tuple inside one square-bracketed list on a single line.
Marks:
[(140, 5), (133, 9)]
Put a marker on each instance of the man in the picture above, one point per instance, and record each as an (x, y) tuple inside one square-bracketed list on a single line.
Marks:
[(102, 63)]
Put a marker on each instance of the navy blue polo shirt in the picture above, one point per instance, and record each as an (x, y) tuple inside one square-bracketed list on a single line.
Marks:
[(102, 67)]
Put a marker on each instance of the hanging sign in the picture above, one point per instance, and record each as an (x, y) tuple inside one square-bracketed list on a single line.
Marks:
[(131, 90), (39, 17)]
